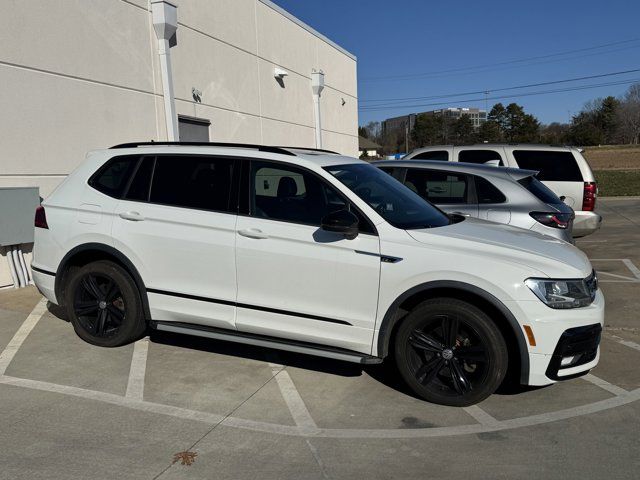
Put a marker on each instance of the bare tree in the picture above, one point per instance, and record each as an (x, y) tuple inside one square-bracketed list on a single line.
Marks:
[(629, 116)]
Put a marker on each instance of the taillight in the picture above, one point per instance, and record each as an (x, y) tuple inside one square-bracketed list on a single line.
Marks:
[(589, 196), (41, 218), (555, 220)]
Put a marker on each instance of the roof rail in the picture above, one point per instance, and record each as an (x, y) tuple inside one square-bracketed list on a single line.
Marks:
[(310, 149), (261, 148)]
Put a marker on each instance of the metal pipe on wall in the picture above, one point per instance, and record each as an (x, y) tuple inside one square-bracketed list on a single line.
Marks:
[(12, 268), (165, 24), (317, 85)]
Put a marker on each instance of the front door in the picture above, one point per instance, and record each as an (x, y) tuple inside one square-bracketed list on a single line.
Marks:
[(294, 279)]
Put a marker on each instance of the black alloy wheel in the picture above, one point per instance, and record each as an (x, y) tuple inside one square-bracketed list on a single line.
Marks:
[(104, 304), (99, 306), (449, 352)]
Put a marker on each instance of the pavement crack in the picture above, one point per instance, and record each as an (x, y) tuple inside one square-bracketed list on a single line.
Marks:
[(231, 412)]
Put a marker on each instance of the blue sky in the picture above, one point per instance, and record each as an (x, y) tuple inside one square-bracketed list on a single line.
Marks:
[(409, 37)]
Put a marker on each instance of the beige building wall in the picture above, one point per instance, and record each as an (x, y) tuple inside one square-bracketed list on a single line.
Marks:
[(77, 75)]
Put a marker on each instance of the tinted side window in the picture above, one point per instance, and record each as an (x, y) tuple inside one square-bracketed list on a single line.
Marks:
[(435, 155), (478, 156), (487, 192), (439, 187), (199, 182), (554, 166), (113, 177), (141, 183), (280, 192)]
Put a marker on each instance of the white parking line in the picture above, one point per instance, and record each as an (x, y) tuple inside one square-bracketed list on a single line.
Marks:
[(135, 385), (480, 415), (615, 275), (18, 339), (604, 384), (290, 394), (266, 427), (622, 341), (632, 267)]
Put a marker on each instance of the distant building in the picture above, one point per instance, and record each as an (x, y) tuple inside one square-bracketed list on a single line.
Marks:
[(399, 124), (477, 116)]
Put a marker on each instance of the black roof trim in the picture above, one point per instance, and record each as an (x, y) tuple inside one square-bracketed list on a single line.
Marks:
[(261, 148)]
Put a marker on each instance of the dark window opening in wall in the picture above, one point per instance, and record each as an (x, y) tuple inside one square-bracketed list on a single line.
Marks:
[(192, 129)]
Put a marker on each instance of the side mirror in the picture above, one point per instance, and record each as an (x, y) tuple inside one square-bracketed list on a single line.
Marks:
[(341, 221)]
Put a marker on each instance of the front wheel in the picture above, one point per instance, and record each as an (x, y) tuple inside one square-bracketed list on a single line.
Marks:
[(104, 305), (450, 352)]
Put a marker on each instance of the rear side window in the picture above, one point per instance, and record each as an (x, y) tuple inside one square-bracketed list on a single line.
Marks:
[(553, 165), (435, 155), (478, 156), (141, 183), (114, 176), (438, 187), (540, 190), (487, 192), (198, 182)]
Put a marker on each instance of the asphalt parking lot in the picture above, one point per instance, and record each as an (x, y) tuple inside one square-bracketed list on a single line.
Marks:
[(71, 410)]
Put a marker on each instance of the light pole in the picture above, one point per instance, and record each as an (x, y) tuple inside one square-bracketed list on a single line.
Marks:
[(165, 24)]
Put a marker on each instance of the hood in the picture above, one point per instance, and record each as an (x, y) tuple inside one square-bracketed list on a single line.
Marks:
[(548, 255)]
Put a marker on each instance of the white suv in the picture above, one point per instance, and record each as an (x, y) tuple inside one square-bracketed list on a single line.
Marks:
[(312, 252), (563, 169)]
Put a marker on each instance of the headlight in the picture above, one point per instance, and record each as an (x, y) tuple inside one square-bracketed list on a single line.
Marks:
[(564, 293)]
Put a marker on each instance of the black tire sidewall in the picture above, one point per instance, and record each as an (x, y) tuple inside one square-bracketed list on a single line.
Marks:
[(480, 322), (133, 325)]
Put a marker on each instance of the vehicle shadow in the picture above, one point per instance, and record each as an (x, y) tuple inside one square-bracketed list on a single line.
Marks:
[(261, 354), (384, 373)]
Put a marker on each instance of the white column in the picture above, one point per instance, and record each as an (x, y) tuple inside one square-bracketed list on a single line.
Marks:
[(165, 24), (317, 85)]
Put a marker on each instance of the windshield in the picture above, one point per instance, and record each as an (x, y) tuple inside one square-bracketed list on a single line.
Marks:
[(393, 201)]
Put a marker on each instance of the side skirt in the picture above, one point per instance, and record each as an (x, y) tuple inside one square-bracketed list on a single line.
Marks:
[(267, 342)]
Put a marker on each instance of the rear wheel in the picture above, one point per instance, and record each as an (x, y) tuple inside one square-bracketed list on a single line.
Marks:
[(450, 352), (104, 305)]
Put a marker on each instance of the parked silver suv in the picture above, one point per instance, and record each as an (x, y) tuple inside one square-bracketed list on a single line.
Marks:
[(504, 195), (563, 169)]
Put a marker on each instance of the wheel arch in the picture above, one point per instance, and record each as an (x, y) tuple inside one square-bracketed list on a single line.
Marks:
[(499, 313), (91, 252)]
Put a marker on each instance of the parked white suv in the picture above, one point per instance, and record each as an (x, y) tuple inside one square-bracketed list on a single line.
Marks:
[(317, 253), (563, 169)]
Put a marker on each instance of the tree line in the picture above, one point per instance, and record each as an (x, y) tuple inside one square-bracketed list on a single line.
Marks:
[(608, 120)]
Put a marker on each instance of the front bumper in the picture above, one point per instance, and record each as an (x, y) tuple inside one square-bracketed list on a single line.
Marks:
[(550, 327), (576, 348), (585, 223)]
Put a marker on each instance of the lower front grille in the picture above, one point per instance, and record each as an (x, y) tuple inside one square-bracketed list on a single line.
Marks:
[(577, 346)]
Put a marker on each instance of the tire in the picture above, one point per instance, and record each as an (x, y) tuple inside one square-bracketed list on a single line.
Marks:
[(449, 352), (103, 305)]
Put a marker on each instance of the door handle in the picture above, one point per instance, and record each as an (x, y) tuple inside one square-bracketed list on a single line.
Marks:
[(253, 233), (461, 213), (132, 216)]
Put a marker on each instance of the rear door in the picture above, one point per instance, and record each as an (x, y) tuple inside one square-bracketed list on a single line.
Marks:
[(176, 223), (558, 170), (449, 190), (492, 203)]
